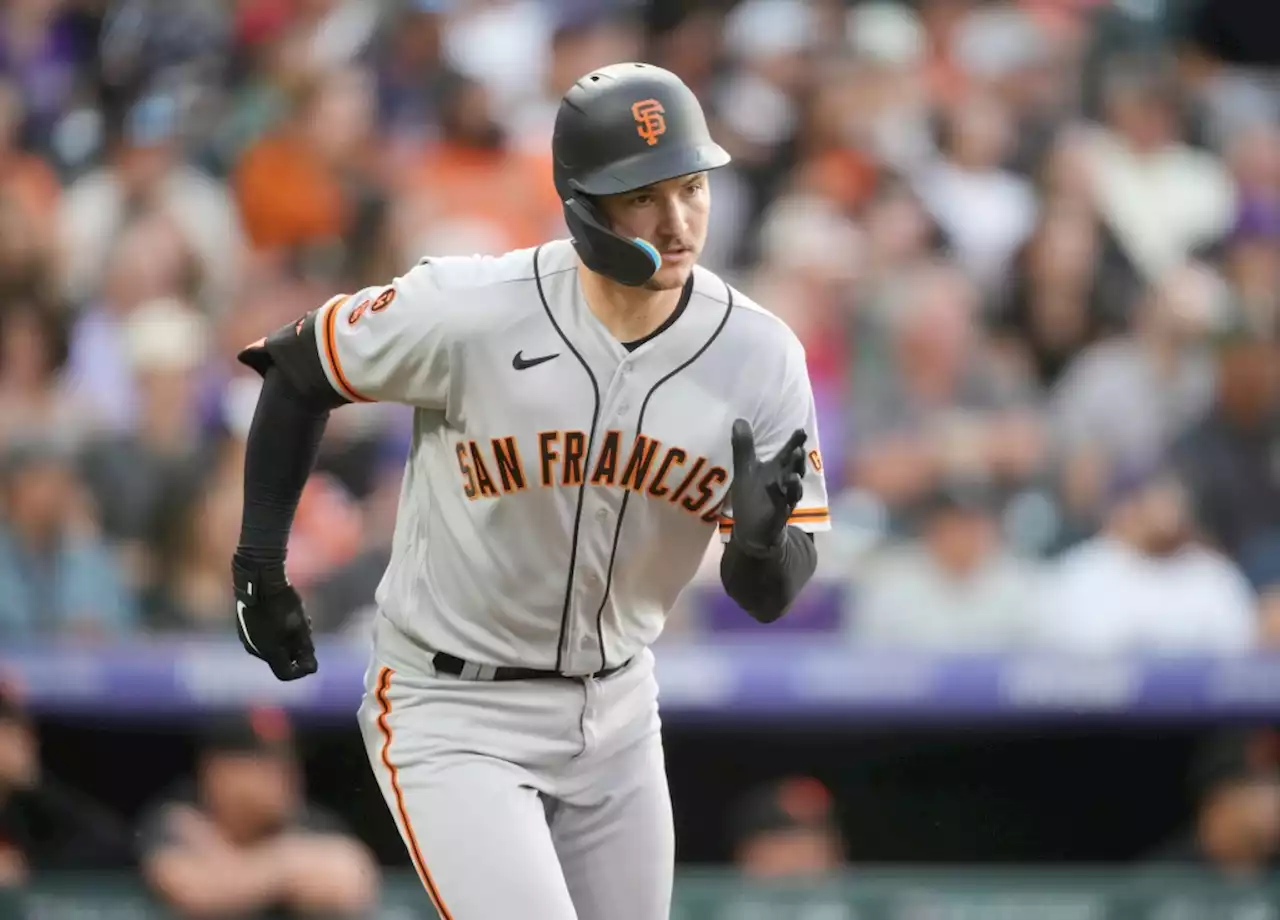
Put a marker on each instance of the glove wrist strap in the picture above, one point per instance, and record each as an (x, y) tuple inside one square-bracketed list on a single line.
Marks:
[(265, 576), (756, 549)]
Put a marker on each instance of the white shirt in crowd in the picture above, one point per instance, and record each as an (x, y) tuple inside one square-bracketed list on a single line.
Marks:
[(987, 214), (906, 600), (1161, 205), (1106, 598)]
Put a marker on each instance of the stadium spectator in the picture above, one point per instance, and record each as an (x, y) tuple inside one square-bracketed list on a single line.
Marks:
[(44, 48), (1230, 55), (957, 588), (1227, 458), (1253, 156), (503, 46), (1235, 830), (146, 171), (176, 48), (28, 268), (33, 394), (1143, 584), (984, 209), (241, 838), (830, 167), (149, 261), (197, 528), (939, 408), (1024, 54), (810, 255), (759, 100), (274, 65), (409, 71), (892, 119), (25, 177), (56, 574), (787, 830), (45, 826), (1250, 252), (1252, 262), (299, 186), (131, 473), (1057, 299), (1123, 400), (585, 37), (171, 43), (1065, 174), (900, 235), (1159, 197), (472, 190)]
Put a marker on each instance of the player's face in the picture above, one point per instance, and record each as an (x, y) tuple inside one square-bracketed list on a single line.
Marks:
[(672, 216)]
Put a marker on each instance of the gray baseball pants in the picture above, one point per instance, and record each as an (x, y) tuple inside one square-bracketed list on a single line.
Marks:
[(536, 799)]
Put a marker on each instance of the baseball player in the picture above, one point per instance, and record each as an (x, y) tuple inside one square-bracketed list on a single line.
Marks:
[(588, 414)]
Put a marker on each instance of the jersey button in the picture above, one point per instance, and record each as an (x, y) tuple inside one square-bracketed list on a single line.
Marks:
[(623, 407), (591, 578), (586, 644), (602, 514)]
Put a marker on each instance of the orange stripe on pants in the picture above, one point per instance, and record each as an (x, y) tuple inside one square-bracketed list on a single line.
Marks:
[(384, 684)]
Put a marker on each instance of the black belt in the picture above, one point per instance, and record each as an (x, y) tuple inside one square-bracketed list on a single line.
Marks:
[(456, 667)]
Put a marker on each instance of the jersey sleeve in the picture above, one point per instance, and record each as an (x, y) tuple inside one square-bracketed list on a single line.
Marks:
[(791, 406), (380, 344)]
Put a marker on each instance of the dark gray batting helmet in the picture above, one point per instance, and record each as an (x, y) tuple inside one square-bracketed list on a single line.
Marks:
[(618, 129)]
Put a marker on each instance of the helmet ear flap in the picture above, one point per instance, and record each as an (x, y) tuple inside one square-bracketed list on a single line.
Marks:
[(628, 261)]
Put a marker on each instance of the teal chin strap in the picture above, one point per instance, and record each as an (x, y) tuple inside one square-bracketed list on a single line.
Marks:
[(627, 260), (650, 250)]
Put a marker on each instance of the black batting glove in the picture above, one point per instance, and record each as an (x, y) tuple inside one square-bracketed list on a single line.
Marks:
[(270, 620), (763, 495)]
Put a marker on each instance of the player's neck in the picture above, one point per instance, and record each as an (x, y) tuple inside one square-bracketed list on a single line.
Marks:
[(629, 313)]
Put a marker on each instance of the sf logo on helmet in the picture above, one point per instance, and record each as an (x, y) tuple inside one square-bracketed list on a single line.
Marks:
[(649, 121)]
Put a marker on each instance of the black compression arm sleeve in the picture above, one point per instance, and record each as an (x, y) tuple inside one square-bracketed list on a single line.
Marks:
[(284, 440), (766, 586)]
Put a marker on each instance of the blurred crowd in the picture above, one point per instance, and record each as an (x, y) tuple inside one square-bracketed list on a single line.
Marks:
[(1032, 248)]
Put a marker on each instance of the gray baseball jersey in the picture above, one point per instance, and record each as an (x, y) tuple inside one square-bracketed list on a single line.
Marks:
[(561, 488)]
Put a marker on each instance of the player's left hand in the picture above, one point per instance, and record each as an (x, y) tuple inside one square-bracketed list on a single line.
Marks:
[(764, 494), (270, 620)]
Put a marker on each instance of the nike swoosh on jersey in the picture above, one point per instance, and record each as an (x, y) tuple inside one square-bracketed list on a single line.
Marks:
[(521, 363)]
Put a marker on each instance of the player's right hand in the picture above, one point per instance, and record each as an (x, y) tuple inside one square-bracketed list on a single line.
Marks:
[(270, 620)]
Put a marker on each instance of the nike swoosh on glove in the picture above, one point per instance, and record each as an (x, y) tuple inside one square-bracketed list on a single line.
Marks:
[(270, 620), (764, 494)]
